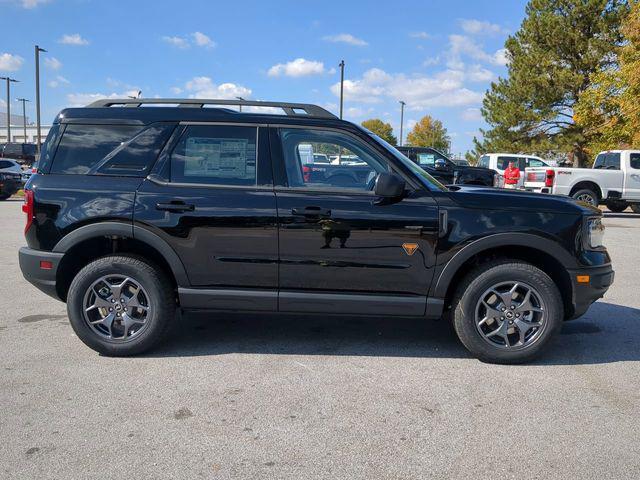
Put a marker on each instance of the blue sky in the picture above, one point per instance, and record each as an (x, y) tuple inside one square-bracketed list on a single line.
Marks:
[(437, 56)]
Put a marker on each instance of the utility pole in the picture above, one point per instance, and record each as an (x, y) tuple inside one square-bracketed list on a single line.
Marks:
[(24, 117), (341, 65), (402, 104), (9, 80), (38, 134)]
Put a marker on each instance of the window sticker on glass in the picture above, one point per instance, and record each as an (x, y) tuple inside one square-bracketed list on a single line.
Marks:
[(426, 159), (220, 157)]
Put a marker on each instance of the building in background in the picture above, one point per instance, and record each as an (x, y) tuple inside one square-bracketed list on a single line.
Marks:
[(17, 129)]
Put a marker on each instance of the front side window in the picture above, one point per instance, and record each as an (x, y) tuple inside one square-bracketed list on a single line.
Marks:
[(215, 155), (503, 162), (351, 163), (635, 161)]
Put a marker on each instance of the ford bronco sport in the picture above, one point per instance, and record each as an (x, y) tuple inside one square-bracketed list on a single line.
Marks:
[(136, 212)]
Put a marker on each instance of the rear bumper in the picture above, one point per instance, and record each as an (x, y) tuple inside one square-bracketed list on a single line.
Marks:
[(43, 279), (584, 294)]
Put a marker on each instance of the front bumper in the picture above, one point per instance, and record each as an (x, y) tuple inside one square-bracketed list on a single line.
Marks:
[(584, 294), (43, 278)]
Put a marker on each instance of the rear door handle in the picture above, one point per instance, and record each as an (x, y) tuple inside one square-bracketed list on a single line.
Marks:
[(175, 206), (311, 212)]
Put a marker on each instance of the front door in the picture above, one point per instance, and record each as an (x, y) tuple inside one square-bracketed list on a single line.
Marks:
[(341, 249), (211, 198)]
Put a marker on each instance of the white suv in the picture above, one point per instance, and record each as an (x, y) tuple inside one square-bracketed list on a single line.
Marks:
[(500, 161)]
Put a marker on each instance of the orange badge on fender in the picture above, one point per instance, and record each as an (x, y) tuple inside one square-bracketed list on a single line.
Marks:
[(410, 248)]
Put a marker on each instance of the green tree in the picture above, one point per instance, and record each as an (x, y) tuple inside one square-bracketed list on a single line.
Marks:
[(471, 157), (429, 132), (552, 57), (609, 110), (382, 129)]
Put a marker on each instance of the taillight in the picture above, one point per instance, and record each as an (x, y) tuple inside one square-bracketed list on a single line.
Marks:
[(306, 174), (549, 177), (27, 207), (34, 170)]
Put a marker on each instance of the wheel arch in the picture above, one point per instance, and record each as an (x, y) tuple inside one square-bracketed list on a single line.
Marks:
[(95, 240), (540, 252), (587, 184)]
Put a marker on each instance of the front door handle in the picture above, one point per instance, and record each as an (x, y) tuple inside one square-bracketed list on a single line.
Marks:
[(175, 206), (311, 212)]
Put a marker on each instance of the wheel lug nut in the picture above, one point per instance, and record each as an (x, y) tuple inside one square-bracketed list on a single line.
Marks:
[(501, 318), (503, 309), (517, 315), (513, 307), (110, 309), (113, 301)]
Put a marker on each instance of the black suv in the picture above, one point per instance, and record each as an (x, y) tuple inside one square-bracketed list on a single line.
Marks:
[(23, 152), (138, 211), (448, 172)]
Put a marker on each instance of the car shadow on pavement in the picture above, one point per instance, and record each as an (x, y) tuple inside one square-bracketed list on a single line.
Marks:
[(607, 333)]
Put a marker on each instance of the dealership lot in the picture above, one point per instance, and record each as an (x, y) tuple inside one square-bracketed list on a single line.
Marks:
[(240, 396)]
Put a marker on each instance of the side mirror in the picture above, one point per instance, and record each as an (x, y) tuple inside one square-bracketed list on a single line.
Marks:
[(441, 164), (389, 185)]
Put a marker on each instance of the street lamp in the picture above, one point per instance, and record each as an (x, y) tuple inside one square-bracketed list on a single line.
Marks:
[(38, 134), (240, 106), (402, 104), (341, 65), (9, 80), (24, 116)]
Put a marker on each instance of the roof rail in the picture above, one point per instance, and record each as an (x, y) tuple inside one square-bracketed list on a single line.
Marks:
[(291, 109)]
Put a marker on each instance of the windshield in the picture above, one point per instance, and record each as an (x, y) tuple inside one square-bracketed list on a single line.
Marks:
[(430, 182)]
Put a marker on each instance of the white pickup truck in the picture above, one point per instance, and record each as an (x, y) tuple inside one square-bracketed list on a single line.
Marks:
[(613, 180)]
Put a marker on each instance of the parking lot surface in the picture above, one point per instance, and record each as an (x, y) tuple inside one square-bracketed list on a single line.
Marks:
[(242, 396)]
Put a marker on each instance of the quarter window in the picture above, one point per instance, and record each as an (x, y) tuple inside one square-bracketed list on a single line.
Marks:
[(215, 155), (352, 165)]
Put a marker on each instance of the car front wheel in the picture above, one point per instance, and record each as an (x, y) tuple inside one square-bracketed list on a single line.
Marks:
[(508, 312), (121, 305)]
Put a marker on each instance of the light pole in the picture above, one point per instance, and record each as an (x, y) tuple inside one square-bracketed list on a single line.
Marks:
[(402, 104), (341, 65), (240, 106), (38, 135), (9, 80), (24, 116)]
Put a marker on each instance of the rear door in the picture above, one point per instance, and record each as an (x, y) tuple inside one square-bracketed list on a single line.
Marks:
[(632, 182), (211, 198), (341, 250)]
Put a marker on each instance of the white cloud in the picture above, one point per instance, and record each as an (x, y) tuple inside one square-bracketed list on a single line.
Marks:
[(73, 39), (420, 35), (58, 81), (479, 74), (299, 67), (53, 63), (428, 62), (82, 99), (176, 90), (178, 42), (202, 40), (475, 27), (29, 4), (472, 114), (203, 87), (419, 91), (10, 63), (460, 45), (346, 38)]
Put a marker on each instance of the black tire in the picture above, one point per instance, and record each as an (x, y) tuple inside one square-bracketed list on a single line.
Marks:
[(587, 195), (155, 284), (477, 282), (617, 206), (635, 207)]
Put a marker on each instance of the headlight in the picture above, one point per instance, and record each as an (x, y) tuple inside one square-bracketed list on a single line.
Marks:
[(595, 232)]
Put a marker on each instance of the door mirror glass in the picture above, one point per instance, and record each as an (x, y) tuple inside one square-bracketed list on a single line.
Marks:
[(389, 185)]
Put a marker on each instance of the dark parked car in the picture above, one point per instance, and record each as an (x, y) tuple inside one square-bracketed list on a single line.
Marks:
[(448, 172), (10, 178), (23, 152), (137, 212)]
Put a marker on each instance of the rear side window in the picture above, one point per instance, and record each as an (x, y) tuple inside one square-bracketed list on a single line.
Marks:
[(83, 146), (608, 161), (215, 155)]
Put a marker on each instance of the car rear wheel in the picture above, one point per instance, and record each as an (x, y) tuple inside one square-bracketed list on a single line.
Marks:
[(508, 312), (586, 195), (617, 206), (121, 305)]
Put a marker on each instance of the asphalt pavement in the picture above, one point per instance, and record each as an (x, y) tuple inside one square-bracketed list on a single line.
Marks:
[(303, 397)]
